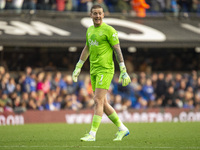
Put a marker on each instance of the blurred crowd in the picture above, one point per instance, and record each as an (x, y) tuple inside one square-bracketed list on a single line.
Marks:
[(138, 7), (41, 90)]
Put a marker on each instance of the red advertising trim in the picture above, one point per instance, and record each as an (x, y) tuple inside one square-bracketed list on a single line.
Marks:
[(85, 116)]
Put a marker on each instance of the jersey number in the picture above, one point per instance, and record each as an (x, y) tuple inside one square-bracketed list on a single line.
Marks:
[(100, 82)]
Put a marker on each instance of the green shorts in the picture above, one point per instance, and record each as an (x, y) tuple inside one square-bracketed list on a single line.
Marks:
[(101, 80)]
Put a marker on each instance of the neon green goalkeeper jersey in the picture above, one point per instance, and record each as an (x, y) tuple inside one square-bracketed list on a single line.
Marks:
[(100, 41)]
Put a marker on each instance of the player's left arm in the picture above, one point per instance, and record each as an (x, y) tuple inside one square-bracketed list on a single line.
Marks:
[(118, 53), (124, 77)]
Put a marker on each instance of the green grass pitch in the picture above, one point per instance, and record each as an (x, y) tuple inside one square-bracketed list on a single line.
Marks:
[(64, 136)]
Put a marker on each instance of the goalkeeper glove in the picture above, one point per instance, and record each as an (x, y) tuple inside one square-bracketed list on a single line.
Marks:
[(77, 70), (124, 77)]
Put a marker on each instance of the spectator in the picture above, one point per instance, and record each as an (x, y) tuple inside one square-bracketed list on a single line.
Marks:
[(178, 78), (70, 5), (72, 87), (123, 6), (160, 87), (142, 78), (47, 83), (126, 104), (198, 7), (25, 98), (66, 102), (87, 85), (33, 95), (3, 84), (197, 99), (140, 6), (185, 7), (60, 5), (192, 79), (32, 104), (154, 79), (19, 106), (169, 80), (74, 4), (84, 5), (50, 105), (18, 89), (29, 83), (103, 5), (17, 5), (189, 98), (135, 89), (112, 5), (9, 4), (40, 96), (174, 7), (58, 83), (2, 4), (118, 102), (40, 105), (75, 104), (147, 93), (58, 102), (29, 5), (169, 100), (141, 103), (45, 4), (85, 98), (40, 83), (11, 85), (40, 100), (4, 102)]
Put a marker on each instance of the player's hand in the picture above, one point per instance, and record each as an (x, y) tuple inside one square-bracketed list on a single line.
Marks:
[(75, 74), (77, 71), (124, 77)]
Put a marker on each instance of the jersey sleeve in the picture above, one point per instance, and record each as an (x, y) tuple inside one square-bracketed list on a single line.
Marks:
[(87, 38), (113, 36)]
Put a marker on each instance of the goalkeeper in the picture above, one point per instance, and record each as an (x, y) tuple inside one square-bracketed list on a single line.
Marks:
[(101, 41)]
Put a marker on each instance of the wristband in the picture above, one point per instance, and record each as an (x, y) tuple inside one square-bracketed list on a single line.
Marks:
[(121, 64), (80, 63), (122, 67)]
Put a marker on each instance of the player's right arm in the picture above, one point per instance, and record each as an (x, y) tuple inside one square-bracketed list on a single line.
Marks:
[(85, 53), (83, 58)]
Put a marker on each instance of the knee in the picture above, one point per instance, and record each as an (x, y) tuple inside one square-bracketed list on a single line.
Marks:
[(98, 101), (105, 103)]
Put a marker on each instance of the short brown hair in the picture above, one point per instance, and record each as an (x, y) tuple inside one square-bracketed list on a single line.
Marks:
[(95, 7)]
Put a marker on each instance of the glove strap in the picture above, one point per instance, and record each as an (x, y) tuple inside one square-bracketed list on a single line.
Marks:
[(80, 63), (122, 67)]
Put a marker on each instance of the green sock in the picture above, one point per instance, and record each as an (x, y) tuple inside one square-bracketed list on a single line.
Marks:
[(95, 123), (115, 119)]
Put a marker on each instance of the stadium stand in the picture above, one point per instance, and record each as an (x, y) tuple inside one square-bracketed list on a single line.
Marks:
[(36, 65)]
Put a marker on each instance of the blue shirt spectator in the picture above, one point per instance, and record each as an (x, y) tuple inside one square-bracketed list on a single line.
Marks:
[(29, 84), (147, 91)]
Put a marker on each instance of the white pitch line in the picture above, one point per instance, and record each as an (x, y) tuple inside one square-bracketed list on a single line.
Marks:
[(121, 147)]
